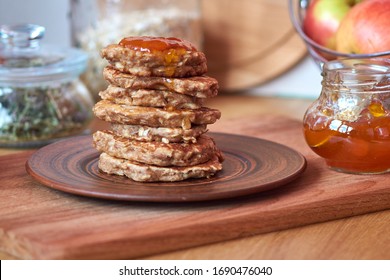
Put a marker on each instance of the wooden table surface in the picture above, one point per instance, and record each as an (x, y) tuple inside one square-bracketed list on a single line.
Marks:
[(360, 237)]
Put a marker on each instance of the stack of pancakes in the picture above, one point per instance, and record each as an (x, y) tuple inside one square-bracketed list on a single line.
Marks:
[(154, 104)]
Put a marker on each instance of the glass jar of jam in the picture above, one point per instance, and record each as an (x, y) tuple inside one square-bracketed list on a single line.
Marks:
[(349, 124), (98, 23)]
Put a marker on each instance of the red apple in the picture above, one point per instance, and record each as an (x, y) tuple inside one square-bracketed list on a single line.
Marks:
[(323, 18), (366, 28)]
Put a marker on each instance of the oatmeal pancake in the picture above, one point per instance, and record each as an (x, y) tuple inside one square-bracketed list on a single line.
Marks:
[(162, 134), (154, 117), (199, 86), (150, 98), (156, 56), (156, 153), (149, 173)]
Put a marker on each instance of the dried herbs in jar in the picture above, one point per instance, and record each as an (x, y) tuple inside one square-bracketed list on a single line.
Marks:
[(41, 96)]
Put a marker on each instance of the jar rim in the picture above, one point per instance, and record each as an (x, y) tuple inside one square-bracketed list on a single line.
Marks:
[(359, 67), (354, 76), (23, 59), (70, 64)]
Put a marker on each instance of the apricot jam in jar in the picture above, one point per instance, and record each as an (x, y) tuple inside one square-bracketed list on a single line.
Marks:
[(349, 124)]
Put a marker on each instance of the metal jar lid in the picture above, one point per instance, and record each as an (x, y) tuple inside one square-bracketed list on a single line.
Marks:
[(24, 60)]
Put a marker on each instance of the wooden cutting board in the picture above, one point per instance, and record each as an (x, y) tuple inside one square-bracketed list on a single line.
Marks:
[(249, 42), (37, 222)]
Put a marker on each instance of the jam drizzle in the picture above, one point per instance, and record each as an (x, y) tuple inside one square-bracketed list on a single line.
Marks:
[(153, 44), (170, 49)]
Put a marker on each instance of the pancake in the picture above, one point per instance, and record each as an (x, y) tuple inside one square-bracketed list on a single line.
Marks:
[(149, 173), (199, 86), (150, 98), (167, 62), (154, 117), (162, 134), (156, 153), (155, 106)]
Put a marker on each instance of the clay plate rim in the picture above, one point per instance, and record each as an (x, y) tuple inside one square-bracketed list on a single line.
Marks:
[(251, 165)]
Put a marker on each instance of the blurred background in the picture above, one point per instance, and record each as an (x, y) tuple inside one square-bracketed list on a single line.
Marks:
[(297, 78)]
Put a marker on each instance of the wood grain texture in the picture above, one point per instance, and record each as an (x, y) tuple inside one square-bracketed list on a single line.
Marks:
[(37, 222), (363, 237), (249, 42)]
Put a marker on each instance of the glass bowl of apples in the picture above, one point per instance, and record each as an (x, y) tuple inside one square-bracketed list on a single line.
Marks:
[(339, 29)]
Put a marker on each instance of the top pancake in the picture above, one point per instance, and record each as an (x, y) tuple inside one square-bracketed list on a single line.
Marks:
[(151, 61)]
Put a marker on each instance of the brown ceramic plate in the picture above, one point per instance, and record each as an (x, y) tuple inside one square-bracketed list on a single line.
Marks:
[(251, 165)]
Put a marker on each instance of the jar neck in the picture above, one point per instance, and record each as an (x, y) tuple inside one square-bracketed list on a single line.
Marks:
[(357, 76)]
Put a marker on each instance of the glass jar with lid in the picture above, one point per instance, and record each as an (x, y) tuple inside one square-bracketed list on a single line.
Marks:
[(349, 124), (41, 95), (98, 23)]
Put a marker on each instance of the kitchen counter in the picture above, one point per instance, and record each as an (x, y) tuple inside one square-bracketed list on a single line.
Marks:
[(362, 236)]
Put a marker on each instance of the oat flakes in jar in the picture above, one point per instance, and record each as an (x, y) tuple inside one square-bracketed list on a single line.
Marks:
[(349, 124), (98, 23)]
